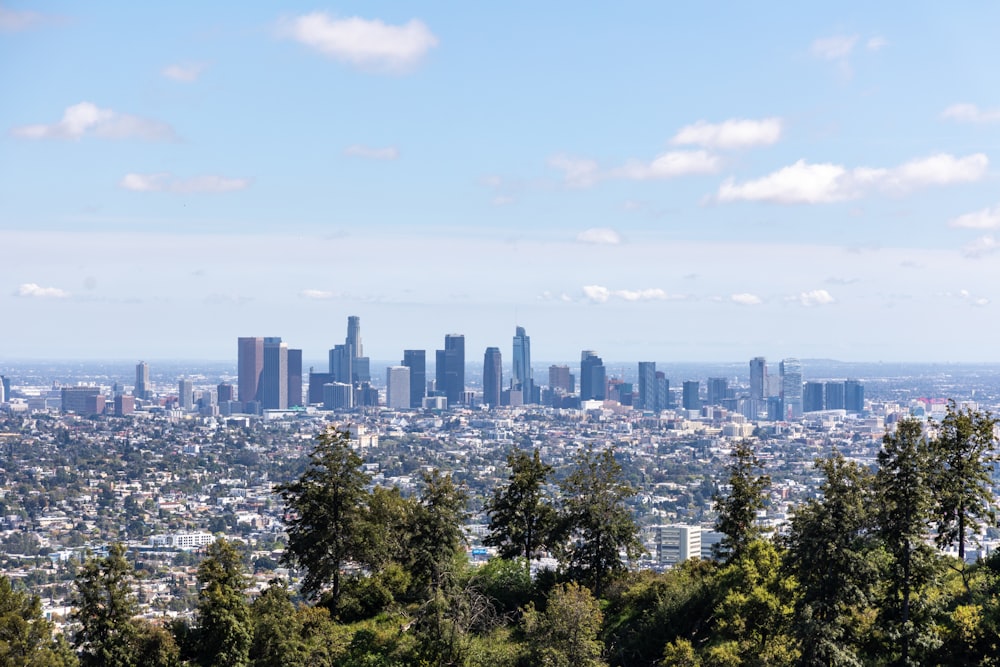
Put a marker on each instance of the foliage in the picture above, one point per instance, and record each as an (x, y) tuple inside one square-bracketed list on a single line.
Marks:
[(565, 634), (595, 517), (737, 511), (25, 636), (224, 626), (437, 537), (325, 506), (521, 518), (104, 608)]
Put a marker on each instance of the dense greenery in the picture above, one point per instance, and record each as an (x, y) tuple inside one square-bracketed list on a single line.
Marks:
[(853, 580)]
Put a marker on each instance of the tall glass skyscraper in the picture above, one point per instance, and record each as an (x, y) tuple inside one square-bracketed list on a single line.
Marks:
[(416, 361), (492, 376), (791, 388), (647, 386), (250, 366), (522, 376), (450, 368), (592, 377)]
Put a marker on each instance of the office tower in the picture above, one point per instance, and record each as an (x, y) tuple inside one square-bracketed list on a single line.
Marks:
[(294, 378), (416, 361), (347, 362), (647, 386), (3, 392), (812, 397), (492, 377), (338, 396), (341, 366), (450, 368), (80, 399), (758, 379), (561, 378), (142, 386), (274, 378), (124, 405), (249, 367), (592, 377), (834, 396), (397, 384), (854, 396), (718, 391), (316, 382), (225, 392), (690, 396), (791, 388), (5, 387), (354, 336), (365, 395), (662, 392), (185, 394), (523, 378), (676, 543)]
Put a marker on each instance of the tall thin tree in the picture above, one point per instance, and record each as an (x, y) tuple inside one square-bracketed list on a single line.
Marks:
[(521, 517)]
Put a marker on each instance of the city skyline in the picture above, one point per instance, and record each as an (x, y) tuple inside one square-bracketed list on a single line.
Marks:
[(651, 183)]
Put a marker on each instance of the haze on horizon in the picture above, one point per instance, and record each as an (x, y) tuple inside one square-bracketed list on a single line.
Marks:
[(651, 181)]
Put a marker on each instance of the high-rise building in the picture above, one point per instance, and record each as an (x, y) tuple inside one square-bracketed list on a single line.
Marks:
[(397, 383), (662, 392), (250, 366), (338, 396), (492, 376), (718, 391), (416, 361), (142, 387), (295, 378), (354, 336), (450, 368), (185, 394), (758, 379), (676, 543), (274, 379), (592, 377), (124, 405), (690, 397), (316, 382), (347, 362), (834, 395), (647, 386), (561, 378), (5, 386), (80, 399), (854, 396), (225, 392), (812, 397), (791, 388), (522, 376)]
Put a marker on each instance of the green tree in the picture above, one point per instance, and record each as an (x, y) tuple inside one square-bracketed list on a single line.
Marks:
[(155, 646), (25, 636), (521, 518), (595, 517), (104, 607), (903, 498), (962, 459), (565, 634), (737, 510), (224, 629), (436, 533), (277, 638), (326, 505), (829, 553)]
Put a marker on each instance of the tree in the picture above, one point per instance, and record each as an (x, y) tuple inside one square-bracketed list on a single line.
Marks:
[(737, 511), (436, 533), (326, 504), (25, 636), (521, 519), (599, 523), (224, 627), (829, 546), (105, 606), (961, 461), (903, 495), (565, 634), (277, 638)]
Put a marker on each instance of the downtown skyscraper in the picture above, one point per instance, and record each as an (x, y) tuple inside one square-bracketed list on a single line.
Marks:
[(250, 366), (416, 361), (592, 377), (791, 388), (450, 368), (492, 377), (522, 377)]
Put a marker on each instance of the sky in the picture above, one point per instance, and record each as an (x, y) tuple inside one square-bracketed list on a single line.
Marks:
[(653, 181)]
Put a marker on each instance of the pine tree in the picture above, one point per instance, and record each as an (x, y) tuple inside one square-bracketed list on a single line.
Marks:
[(521, 518), (737, 511), (105, 606), (25, 636), (326, 506), (596, 518), (224, 626)]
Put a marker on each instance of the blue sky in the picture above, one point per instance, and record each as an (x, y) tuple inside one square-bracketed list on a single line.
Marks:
[(651, 181)]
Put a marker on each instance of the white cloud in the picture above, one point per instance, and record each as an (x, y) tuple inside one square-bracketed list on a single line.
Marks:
[(601, 294), (577, 172), (969, 298), (805, 183), (600, 236), (970, 113), (164, 182), (729, 134), (502, 200), (317, 294), (365, 43), (31, 290), (987, 218), (372, 153), (185, 73), (746, 299), (837, 47), (877, 43), (87, 119), (981, 247), (817, 297), (669, 165), (12, 20)]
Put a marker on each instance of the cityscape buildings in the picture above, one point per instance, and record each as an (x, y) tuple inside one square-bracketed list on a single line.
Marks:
[(142, 386), (416, 361), (522, 377), (492, 377), (592, 377), (397, 387), (450, 369), (250, 365), (791, 388)]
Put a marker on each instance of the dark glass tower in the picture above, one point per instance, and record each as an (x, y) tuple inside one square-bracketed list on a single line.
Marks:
[(250, 366), (647, 386), (522, 376), (274, 383), (295, 378), (492, 376), (452, 359), (416, 361), (592, 376)]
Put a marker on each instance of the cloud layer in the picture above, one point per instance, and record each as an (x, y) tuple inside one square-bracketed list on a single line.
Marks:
[(970, 113), (31, 290), (599, 236), (730, 134), (87, 119), (806, 183), (369, 44), (164, 182), (186, 73)]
